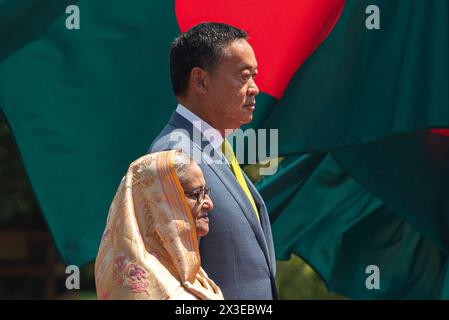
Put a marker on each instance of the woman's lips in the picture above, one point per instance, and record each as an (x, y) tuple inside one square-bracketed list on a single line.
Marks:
[(203, 216)]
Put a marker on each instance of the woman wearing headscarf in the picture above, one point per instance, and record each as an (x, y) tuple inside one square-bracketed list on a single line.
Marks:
[(149, 249)]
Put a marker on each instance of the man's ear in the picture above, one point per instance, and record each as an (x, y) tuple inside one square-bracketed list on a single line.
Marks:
[(199, 80)]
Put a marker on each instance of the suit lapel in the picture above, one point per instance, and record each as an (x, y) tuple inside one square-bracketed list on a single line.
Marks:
[(180, 122), (225, 174), (264, 219)]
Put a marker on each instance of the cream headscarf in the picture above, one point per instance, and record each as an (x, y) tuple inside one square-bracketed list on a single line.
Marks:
[(149, 249)]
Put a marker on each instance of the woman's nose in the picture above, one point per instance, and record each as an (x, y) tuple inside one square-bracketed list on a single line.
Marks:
[(208, 204)]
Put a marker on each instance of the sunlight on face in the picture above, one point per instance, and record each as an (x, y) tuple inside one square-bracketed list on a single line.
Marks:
[(232, 89), (199, 211)]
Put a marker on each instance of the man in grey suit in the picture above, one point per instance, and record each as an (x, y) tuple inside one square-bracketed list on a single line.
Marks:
[(212, 69)]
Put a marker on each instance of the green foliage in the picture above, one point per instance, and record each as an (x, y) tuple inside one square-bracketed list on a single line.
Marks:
[(296, 280), (18, 204)]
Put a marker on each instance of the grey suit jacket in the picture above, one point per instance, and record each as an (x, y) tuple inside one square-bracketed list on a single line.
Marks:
[(238, 251)]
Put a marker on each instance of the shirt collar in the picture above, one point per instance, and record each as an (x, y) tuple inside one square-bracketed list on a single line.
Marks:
[(210, 133)]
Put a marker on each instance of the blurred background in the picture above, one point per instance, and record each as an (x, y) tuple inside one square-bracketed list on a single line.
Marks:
[(31, 267)]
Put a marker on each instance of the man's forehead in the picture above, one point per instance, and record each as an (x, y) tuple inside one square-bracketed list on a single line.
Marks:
[(241, 55)]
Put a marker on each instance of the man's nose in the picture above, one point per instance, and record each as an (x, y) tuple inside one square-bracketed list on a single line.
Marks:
[(253, 90), (207, 203)]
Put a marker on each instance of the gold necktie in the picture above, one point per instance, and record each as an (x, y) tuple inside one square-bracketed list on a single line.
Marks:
[(230, 156)]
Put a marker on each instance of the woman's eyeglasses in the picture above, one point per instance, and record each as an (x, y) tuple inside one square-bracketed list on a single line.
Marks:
[(198, 194)]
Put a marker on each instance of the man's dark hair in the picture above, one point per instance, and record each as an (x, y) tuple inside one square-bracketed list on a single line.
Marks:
[(201, 46)]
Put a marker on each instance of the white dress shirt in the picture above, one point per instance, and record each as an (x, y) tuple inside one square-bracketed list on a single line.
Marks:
[(210, 133)]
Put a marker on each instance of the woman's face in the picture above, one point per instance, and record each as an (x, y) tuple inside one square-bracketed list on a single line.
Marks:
[(194, 186)]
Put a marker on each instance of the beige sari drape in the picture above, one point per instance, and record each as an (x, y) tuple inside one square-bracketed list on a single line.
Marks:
[(149, 249)]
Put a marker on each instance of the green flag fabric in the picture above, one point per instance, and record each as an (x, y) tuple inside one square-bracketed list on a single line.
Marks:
[(363, 185), (376, 192), (83, 104), (341, 229), (363, 85)]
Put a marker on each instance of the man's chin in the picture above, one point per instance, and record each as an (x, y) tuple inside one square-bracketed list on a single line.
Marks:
[(247, 119)]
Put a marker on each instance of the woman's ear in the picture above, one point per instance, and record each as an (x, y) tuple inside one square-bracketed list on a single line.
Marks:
[(198, 80)]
